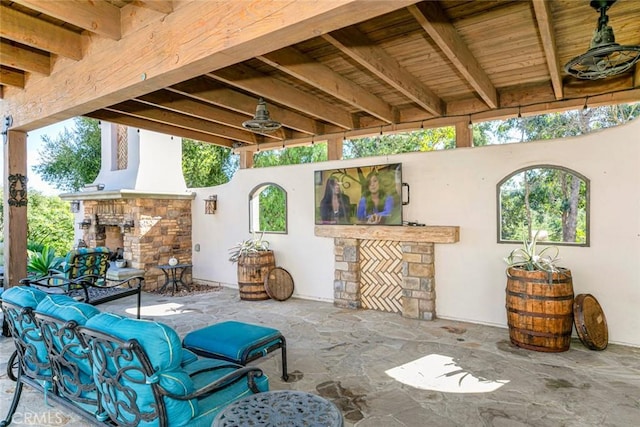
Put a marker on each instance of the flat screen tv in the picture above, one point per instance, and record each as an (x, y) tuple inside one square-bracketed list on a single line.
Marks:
[(369, 195)]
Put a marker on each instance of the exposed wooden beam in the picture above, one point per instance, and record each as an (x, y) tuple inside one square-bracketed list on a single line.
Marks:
[(11, 77), (136, 122), (198, 36), (544, 19), (25, 29), (181, 104), (359, 48), (274, 90), (293, 62), (27, 60), (434, 21), (144, 111), (162, 6), (212, 92), (98, 17), (464, 134)]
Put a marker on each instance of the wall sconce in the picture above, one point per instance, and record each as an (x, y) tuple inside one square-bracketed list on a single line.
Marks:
[(128, 225), (85, 224), (211, 204), (75, 206)]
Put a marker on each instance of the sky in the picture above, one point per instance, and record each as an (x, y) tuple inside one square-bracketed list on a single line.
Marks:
[(34, 144)]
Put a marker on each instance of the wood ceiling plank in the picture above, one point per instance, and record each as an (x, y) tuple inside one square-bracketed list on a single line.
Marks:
[(25, 29), (358, 47), (136, 122), (11, 77), (97, 17), (208, 90), (162, 6), (250, 80), (435, 22), (181, 104), (293, 62), (27, 60), (545, 27), (147, 112)]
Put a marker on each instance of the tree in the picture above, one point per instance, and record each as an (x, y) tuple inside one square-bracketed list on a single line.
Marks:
[(422, 140), (291, 156), (204, 165), (49, 222), (71, 160)]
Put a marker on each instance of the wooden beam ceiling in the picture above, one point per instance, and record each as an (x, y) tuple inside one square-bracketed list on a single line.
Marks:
[(326, 69), (354, 44), (434, 21)]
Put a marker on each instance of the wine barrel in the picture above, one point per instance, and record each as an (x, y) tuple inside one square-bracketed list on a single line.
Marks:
[(252, 269), (540, 309)]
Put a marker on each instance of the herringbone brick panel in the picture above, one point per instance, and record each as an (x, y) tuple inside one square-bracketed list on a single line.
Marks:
[(381, 275)]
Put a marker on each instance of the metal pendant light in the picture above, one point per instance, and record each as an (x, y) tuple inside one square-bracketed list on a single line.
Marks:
[(605, 58), (261, 122)]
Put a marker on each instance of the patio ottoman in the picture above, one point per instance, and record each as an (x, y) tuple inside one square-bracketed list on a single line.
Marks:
[(237, 342)]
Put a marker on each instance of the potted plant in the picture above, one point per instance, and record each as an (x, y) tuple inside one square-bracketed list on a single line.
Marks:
[(539, 298), (255, 260)]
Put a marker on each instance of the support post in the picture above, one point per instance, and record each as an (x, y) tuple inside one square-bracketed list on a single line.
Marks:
[(246, 159), (334, 149), (15, 204), (464, 135)]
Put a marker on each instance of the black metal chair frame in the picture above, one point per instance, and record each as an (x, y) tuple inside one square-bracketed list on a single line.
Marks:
[(29, 368), (119, 359), (88, 288)]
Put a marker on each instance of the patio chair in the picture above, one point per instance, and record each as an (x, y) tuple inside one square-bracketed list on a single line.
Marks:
[(138, 366), (83, 276)]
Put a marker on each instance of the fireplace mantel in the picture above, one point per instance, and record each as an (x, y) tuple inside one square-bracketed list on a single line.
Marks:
[(421, 234)]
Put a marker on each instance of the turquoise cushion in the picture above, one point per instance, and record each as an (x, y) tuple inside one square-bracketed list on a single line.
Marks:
[(163, 348), (69, 347), (230, 339), (28, 297)]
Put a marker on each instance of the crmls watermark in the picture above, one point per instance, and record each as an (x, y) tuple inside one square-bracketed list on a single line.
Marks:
[(39, 418)]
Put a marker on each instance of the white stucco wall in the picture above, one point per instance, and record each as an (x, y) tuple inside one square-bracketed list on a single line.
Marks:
[(458, 187)]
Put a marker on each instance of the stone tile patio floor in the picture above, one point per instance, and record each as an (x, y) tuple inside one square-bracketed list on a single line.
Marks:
[(465, 374)]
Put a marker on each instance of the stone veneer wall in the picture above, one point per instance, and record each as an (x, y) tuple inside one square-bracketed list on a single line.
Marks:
[(162, 228), (418, 277)]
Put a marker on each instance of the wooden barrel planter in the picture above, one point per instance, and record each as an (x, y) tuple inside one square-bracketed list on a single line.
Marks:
[(540, 309), (252, 269)]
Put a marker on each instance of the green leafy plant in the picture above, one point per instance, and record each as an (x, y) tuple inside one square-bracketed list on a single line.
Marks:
[(249, 246), (529, 258), (41, 262)]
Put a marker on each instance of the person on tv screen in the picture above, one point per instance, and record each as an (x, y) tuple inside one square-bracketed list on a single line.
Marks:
[(335, 205), (375, 205)]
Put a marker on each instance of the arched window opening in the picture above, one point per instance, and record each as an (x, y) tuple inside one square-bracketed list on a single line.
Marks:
[(268, 209), (550, 201)]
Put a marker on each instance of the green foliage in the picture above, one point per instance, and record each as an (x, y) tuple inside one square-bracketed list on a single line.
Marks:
[(49, 223), (272, 214), (205, 165), (40, 262), (528, 258), (290, 156), (422, 140), (71, 160)]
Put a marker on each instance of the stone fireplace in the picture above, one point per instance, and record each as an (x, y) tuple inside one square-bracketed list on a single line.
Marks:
[(161, 229), (138, 202), (387, 268)]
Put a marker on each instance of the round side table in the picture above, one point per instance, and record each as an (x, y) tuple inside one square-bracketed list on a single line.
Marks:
[(280, 408)]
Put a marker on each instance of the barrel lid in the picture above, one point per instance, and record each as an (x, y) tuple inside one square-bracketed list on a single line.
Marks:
[(591, 324), (278, 284)]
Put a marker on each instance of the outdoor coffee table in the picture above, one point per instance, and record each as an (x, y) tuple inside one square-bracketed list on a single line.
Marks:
[(284, 408)]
